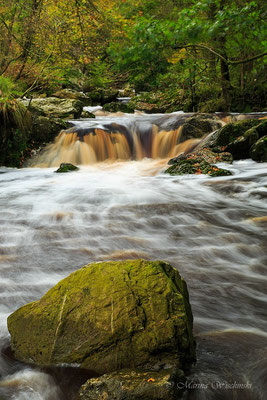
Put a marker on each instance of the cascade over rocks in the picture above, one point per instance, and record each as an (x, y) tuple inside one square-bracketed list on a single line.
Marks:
[(237, 140), (108, 316)]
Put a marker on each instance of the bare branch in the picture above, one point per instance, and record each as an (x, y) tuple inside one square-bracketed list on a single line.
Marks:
[(228, 61)]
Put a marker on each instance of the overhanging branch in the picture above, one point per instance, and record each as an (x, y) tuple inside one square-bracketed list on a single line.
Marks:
[(228, 61)]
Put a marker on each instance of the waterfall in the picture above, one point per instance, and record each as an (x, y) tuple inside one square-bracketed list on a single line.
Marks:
[(127, 137)]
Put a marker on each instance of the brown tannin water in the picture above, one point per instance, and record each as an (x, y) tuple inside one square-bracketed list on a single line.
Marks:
[(212, 229)]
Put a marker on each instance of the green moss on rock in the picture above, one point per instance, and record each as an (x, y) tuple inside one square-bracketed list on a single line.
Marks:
[(240, 148), (108, 316), (116, 106), (196, 165), (199, 125), (67, 167), (231, 132), (258, 151), (133, 385)]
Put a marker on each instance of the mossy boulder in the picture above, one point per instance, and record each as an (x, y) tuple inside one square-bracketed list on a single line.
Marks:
[(133, 385), (229, 133), (196, 165), (240, 148), (45, 129), (199, 125), (109, 316), (101, 96), (116, 106), (87, 114), (66, 167), (258, 151), (53, 107), (149, 102), (73, 94), (205, 154)]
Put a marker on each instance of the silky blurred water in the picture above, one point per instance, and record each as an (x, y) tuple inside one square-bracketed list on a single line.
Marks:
[(211, 229)]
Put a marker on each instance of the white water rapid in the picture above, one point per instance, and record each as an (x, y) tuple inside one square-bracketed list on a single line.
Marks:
[(212, 229)]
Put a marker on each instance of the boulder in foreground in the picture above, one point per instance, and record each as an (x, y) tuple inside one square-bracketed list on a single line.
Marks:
[(109, 316)]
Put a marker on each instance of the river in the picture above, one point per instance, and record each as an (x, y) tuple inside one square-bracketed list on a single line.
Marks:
[(211, 229)]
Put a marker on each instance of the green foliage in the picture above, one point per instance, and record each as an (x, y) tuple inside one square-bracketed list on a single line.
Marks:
[(185, 46), (98, 76), (15, 126), (8, 88), (175, 47)]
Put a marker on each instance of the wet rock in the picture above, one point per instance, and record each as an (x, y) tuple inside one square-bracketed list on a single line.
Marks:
[(196, 165), (45, 129), (73, 94), (149, 102), (212, 157), (67, 167), (87, 114), (149, 108), (229, 133), (108, 316), (199, 125), (100, 95), (53, 107), (241, 147), (175, 160), (205, 154), (133, 385), (118, 106), (199, 162), (258, 151)]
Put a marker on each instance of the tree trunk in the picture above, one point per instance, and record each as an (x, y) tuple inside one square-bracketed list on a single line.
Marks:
[(226, 84), (32, 23)]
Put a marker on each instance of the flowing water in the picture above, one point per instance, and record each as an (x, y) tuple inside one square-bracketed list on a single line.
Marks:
[(212, 229), (122, 137)]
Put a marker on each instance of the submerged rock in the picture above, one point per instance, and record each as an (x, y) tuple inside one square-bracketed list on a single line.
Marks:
[(67, 167), (133, 385), (109, 316)]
